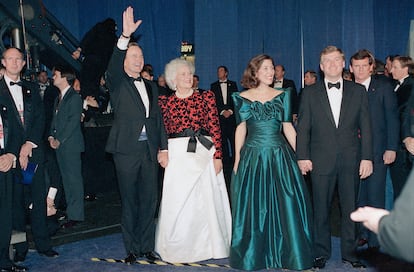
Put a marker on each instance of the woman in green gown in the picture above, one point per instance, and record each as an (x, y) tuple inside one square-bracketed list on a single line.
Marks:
[(271, 206)]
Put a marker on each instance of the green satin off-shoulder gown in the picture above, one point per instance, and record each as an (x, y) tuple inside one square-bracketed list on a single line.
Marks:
[(272, 225)]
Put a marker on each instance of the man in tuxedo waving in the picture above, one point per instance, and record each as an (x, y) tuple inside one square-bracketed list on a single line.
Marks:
[(137, 141)]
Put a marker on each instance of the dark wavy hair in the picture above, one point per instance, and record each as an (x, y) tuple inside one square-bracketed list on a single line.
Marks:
[(249, 79)]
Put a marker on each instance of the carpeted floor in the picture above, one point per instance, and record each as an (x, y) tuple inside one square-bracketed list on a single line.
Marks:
[(84, 256)]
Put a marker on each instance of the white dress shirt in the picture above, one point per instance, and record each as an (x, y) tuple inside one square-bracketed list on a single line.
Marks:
[(223, 86), (335, 99)]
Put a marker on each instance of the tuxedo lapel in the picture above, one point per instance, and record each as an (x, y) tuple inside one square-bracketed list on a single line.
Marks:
[(150, 94), (6, 93), (346, 104), (28, 104)]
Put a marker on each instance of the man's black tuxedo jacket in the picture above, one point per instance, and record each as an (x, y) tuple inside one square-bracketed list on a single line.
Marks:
[(34, 119), (12, 138), (407, 114), (231, 88), (129, 112), (318, 138)]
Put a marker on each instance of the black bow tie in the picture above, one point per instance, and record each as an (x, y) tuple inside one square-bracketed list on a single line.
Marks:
[(336, 85), (15, 83), (223, 82), (278, 81), (136, 79)]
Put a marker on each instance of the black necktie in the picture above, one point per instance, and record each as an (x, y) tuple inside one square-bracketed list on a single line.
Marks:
[(15, 83), (336, 85)]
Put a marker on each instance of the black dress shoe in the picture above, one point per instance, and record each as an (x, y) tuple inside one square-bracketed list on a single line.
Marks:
[(90, 197), (319, 262), (130, 259), (19, 268), (49, 253), (14, 268), (19, 257), (355, 264), (70, 224), (151, 256), (362, 242)]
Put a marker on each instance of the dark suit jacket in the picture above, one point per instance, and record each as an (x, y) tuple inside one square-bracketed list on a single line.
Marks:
[(129, 112), (34, 118), (12, 139), (12, 143), (395, 232), (66, 123), (320, 141), (231, 88), (384, 117), (228, 125), (405, 91)]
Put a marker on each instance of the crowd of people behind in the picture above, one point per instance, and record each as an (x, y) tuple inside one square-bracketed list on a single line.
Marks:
[(261, 166)]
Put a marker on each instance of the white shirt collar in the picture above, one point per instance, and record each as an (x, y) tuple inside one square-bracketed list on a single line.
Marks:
[(8, 79), (366, 83), (402, 80), (65, 91)]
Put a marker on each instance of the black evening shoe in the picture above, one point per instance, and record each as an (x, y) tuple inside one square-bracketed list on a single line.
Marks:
[(19, 257), (14, 268), (90, 197), (70, 224), (355, 264), (362, 241), (319, 262), (151, 256), (49, 253), (130, 259)]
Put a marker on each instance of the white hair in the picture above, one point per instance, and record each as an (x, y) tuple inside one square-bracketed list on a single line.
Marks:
[(171, 70)]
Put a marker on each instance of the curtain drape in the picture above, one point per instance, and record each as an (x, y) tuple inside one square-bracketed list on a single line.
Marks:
[(230, 32)]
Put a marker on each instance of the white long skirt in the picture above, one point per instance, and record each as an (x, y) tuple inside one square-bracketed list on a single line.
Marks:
[(194, 223)]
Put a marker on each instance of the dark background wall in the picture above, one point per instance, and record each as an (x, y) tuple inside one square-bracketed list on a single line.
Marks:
[(230, 32)]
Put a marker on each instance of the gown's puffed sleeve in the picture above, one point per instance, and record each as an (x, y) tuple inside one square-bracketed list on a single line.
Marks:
[(241, 108), (287, 107)]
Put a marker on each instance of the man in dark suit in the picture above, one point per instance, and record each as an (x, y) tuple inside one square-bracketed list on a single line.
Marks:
[(223, 89), (67, 141), (385, 137), (10, 143), (28, 112), (334, 143), (401, 68), (137, 141), (394, 229), (282, 82)]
